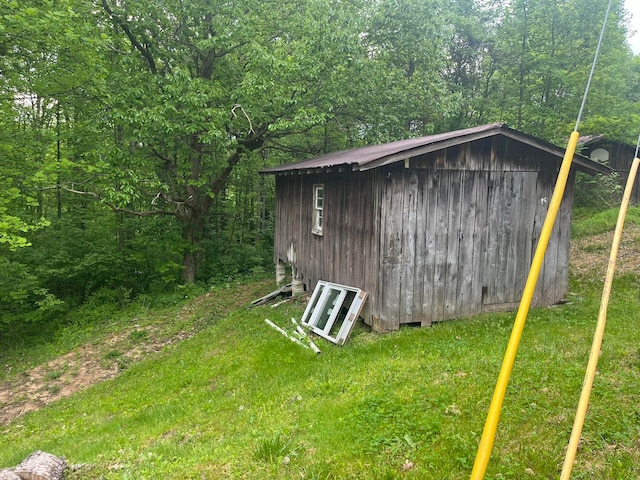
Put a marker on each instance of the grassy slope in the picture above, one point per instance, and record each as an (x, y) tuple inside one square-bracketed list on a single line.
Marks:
[(235, 400)]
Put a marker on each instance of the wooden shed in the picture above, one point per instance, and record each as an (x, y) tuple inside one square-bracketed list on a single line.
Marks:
[(617, 155), (433, 228)]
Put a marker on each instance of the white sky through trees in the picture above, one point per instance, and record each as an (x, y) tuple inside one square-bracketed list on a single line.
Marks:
[(633, 7)]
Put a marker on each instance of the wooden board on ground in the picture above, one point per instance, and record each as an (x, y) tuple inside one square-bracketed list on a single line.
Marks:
[(284, 290)]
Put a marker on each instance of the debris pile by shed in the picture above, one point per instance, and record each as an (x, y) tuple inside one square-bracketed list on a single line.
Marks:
[(331, 313)]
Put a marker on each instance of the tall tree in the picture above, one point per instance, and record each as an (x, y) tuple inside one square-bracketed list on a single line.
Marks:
[(407, 43), (471, 57), (544, 51), (50, 71), (196, 86)]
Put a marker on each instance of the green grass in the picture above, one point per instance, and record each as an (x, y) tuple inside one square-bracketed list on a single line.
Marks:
[(592, 223), (48, 338), (238, 400)]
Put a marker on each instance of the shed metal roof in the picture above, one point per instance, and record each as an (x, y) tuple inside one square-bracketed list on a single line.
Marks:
[(366, 158), (589, 139)]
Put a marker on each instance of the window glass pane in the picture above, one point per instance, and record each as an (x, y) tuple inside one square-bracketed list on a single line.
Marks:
[(318, 203), (327, 308), (313, 303), (344, 310), (319, 197)]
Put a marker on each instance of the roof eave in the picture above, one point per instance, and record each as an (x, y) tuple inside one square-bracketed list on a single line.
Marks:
[(431, 147), (581, 163)]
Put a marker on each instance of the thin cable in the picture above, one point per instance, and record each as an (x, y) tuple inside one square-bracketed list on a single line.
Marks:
[(593, 67), (637, 145)]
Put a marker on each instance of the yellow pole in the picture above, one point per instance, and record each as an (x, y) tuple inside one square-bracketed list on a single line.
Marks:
[(597, 337), (491, 424)]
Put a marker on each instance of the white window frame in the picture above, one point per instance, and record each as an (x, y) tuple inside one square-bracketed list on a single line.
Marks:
[(329, 320), (318, 209)]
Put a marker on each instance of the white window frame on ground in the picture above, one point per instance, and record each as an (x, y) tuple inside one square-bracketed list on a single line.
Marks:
[(333, 310), (318, 206)]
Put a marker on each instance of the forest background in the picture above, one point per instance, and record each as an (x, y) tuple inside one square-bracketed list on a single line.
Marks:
[(132, 131)]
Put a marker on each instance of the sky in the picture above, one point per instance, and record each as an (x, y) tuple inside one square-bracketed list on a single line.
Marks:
[(633, 7)]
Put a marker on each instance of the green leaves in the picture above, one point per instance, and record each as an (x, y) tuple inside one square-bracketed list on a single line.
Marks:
[(13, 229), (165, 111), (541, 55)]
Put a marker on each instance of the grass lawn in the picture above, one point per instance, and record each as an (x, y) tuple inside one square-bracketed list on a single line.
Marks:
[(237, 400)]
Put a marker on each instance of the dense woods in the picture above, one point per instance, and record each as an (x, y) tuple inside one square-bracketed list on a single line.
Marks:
[(131, 132)]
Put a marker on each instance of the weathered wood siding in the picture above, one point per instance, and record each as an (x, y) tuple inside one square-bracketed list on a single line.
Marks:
[(450, 234), (459, 229), (347, 252)]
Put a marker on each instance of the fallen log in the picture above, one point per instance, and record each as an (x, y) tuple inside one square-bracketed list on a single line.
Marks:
[(41, 466), (8, 475)]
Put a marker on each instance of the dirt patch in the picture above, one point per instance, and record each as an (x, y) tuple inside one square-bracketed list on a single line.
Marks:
[(590, 256), (78, 369), (109, 356)]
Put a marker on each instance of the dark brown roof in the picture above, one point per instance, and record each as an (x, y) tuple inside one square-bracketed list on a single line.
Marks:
[(366, 158)]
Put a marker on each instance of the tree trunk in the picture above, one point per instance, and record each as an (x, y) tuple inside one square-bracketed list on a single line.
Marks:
[(192, 232), (41, 466), (189, 267)]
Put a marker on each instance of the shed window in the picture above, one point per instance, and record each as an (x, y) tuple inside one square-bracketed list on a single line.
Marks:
[(318, 197)]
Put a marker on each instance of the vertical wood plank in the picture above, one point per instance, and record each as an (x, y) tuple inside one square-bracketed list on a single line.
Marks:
[(441, 244), (338, 252), (513, 223), (371, 229), (556, 276), (506, 246), (544, 190), (525, 233), (480, 240), (409, 233), (452, 266), (389, 293), (374, 212), (422, 214), (432, 186), (494, 238), (466, 304)]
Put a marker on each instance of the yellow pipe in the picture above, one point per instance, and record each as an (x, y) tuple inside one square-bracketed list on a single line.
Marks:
[(491, 424), (597, 337)]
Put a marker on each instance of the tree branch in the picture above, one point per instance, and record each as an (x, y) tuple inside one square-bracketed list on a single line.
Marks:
[(115, 208), (251, 142), (144, 51)]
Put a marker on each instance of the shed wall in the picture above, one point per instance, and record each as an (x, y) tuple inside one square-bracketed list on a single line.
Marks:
[(459, 228), (348, 250), (446, 235)]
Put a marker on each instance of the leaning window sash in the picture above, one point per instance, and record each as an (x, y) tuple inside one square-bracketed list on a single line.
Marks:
[(333, 310)]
